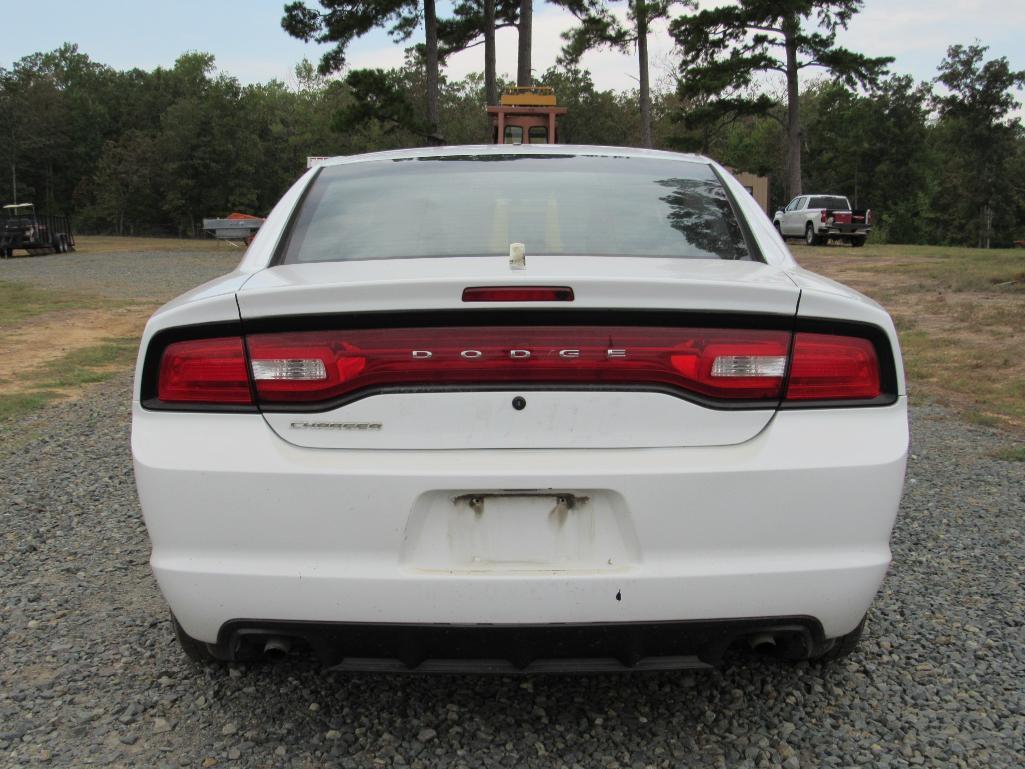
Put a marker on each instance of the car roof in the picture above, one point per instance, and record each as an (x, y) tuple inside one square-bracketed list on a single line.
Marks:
[(514, 149)]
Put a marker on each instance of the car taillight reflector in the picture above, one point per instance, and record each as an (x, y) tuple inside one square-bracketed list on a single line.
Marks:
[(749, 366), (518, 294), (827, 367), (204, 371), (750, 362), (289, 368)]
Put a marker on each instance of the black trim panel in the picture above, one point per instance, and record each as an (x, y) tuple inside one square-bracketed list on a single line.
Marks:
[(753, 249), (539, 316), (286, 233), (516, 648)]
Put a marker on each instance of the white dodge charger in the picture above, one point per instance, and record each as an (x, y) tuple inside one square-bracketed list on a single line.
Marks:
[(519, 408)]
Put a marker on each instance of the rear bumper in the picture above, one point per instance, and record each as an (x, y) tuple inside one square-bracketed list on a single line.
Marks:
[(844, 230), (793, 523)]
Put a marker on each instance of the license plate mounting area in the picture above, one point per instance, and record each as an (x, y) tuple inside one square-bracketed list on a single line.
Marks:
[(520, 530)]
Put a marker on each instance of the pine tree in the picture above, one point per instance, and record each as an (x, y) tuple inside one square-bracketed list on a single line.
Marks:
[(724, 49), (473, 23), (342, 21), (600, 27)]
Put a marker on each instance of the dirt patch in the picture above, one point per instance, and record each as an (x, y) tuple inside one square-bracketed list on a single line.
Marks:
[(29, 346)]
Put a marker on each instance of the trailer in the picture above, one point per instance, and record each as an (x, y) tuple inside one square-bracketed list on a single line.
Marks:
[(35, 233), (235, 227)]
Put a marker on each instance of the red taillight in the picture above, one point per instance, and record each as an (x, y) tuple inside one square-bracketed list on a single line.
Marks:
[(518, 294), (306, 367), (827, 367), (822, 215), (209, 371)]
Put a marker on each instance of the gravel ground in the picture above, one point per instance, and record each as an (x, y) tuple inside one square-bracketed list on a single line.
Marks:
[(154, 276), (91, 674)]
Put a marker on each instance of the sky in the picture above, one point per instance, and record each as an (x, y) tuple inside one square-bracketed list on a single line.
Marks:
[(246, 37)]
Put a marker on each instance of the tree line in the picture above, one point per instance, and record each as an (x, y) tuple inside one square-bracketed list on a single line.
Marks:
[(155, 151)]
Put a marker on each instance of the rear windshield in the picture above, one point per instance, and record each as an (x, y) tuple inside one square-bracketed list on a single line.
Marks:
[(553, 204), (829, 201)]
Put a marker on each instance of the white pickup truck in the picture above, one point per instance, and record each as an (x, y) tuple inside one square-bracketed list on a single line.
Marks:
[(819, 218)]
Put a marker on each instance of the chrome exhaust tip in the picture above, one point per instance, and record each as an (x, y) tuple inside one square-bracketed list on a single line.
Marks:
[(276, 648), (763, 642)]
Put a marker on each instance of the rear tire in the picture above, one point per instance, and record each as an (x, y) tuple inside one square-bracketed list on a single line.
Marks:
[(857, 242), (197, 651), (834, 649), (810, 237), (842, 646)]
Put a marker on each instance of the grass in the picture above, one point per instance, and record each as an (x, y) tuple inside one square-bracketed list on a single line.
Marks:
[(85, 365), (20, 302), (953, 268), (108, 244), (1011, 454), (14, 405)]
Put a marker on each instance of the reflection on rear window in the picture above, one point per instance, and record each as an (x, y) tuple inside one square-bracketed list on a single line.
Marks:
[(553, 204)]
